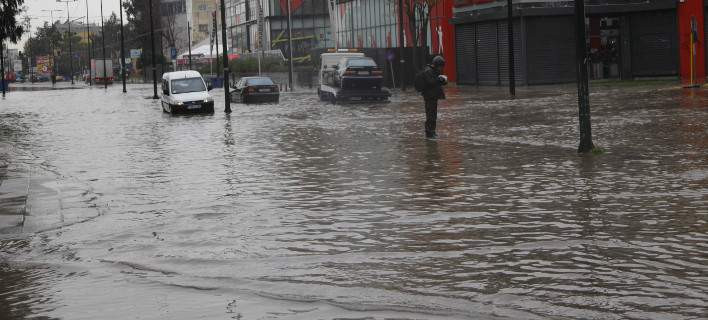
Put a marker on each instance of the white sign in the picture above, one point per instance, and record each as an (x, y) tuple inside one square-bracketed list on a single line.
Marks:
[(17, 66)]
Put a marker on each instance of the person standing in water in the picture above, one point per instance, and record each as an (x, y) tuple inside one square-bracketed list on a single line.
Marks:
[(429, 82)]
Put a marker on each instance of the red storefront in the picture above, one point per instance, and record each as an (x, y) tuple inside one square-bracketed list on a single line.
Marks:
[(442, 35), (692, 41)]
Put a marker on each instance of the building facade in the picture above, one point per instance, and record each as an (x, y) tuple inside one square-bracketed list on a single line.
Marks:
[(200, 13), (262, 24), (370, 25), (173, 22), (626, 40)]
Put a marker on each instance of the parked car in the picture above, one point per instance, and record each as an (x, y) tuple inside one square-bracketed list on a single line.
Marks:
[(185, 91), (255, 89)]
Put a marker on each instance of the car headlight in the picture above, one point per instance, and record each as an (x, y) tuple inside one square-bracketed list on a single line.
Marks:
[(180, 103), (207, 100)]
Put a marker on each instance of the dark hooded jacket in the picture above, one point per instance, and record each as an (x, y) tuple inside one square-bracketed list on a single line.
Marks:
[(433, 84)]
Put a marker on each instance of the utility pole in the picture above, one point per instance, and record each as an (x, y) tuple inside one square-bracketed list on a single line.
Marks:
[(152, 47), (71, 58), (103, 44), (290, 48), (216, 40), (227, 98), (512, 70), (189, 42), (400, 44), (51, 43), (581, 58), (88, 45), (122, 47), (28, 24), (2, 66)]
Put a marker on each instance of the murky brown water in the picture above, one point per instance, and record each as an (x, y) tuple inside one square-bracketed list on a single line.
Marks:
[(306, 210)]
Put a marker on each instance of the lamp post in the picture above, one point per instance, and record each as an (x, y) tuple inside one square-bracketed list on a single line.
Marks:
[(510, 39), (225, 57), (88, 46), (400, 45), (103, 44), (71, 58), (152, 48), (28, 24), (290, 48), (2, 67), (122, 47), (51, 43), (581, 58), (189, 43)]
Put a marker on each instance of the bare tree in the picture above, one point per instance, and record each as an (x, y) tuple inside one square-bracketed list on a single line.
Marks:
[(418, 14), (169, 30)]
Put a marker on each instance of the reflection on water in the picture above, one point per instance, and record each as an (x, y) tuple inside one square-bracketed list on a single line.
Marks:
[(309, 210)]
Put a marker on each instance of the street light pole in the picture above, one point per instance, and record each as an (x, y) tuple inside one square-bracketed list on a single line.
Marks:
[(71, 58), (122, 47), (290, 48), (225, 57), (51, 43), (189, 42), (581, 57), (88, 46), (2, 67), (103, 44), (400, 45), (152, 47), (510, 39)]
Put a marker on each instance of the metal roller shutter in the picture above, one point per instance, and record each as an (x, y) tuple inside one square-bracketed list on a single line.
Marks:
[(487, 53), (705, 34), (519, 68), (550, 50), (654, 44), (465, 40)]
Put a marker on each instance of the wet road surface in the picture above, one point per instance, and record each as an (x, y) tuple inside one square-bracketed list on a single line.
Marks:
[(307, 210)]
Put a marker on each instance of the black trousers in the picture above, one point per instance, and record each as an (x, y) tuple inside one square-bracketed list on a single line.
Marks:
[(431, 116)]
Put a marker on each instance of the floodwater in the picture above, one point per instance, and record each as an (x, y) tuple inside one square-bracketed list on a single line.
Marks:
[(307, 210)]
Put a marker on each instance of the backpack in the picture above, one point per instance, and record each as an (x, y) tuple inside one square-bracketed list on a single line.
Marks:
[(419, 81)]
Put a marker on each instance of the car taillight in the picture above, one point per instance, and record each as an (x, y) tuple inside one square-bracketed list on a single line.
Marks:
[(377, 72), (251, 89), (349, 73)]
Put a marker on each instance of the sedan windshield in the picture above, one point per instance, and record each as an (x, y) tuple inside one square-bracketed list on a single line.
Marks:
[(187, 85), (259, 82)]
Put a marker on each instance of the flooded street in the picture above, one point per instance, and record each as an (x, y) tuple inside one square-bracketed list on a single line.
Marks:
[(112, 209)]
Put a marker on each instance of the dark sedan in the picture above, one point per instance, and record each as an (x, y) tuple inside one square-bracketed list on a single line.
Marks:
[(255, 89)]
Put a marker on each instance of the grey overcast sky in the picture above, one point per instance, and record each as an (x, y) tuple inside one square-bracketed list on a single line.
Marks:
[(76, 9)]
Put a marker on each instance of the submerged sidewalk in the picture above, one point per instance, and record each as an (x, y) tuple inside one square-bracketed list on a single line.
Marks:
[(34, 199)]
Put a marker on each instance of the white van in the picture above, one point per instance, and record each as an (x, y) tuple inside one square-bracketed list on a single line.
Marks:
[(186, 91)]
